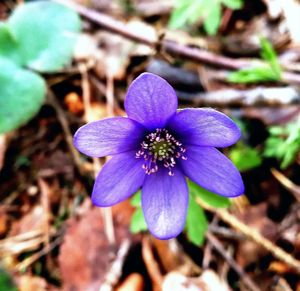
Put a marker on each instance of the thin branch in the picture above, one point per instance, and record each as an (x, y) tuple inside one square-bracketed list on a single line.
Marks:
[(168, 46), (222, 251), (88, 116), (151, 264), (287, 183), (252, 233), (115, 272), (260, 96), (65, 127)]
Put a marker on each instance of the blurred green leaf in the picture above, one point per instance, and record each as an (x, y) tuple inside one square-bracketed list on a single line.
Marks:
[(233, 4), (43, 35), (269, 55), (138, 223), (184, 13), (265, 72), (136, 199), (212, 18), (8, 43), (6, 283), (187, 12), (208, 197), (244, 157), (196, 223), (283, 143), (253, 75), (22, 95)]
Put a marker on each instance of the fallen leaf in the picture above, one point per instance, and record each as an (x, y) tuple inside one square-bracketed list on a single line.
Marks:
[(134, 282), (255, 217), (30, 283), (86, 250), (74, 103)]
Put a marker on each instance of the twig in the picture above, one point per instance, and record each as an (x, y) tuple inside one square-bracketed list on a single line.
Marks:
[(65, 126), (86, 91), (168, 46), (287, 183), (110, 93), (27, 262), (259, 96), (44, 188), (252, 233), (222, 251), (225, 232), (151, 264), (27, 241), (115, 271)]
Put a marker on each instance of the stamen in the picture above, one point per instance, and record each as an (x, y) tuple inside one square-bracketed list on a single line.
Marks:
[(160, 149)]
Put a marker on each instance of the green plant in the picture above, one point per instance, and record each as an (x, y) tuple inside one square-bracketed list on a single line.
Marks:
[(284, 143), (187, 12), (270, 71), (38, 37), (244, 157)]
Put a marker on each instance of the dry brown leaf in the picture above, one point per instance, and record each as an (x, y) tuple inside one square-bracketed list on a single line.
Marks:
[(208, 281), (134, 282), (213, 282), (30, 283), (86, 47), (74, 103), (4, 219), (32, 221), (114, 54), (256, 218), (86, 250)]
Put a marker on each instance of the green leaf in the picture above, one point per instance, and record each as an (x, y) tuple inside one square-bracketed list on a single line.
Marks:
[(283, 143), (269, 54), (244, 157), (136, 199), (44, 35), (188, 12), (181, 15), (6, 282), (233, 4), (138, 223), (22, 95), (268, 72), (8, 43), (213, 18), (208, 197), (196, 223), (253, 75)]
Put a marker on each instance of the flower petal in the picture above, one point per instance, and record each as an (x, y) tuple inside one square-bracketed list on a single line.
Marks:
[(213, 171), (164, 203), (151, 101), (108, 136), (204, 127), (120, 177)]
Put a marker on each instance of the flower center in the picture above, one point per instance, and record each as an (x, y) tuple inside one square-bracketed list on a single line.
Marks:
[(160, 148)]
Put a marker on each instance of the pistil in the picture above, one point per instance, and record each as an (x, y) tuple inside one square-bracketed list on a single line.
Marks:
[(160, 148)]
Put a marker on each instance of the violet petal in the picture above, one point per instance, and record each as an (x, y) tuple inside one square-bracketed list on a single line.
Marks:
[(108, 136), (119, 178), (151, 101), (204, 127), (164, 203), (213, 171)]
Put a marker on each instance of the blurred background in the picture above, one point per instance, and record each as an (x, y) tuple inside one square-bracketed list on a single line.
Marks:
[(65, 63)]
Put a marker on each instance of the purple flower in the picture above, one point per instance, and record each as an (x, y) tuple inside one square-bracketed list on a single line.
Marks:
[(155, 148)]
